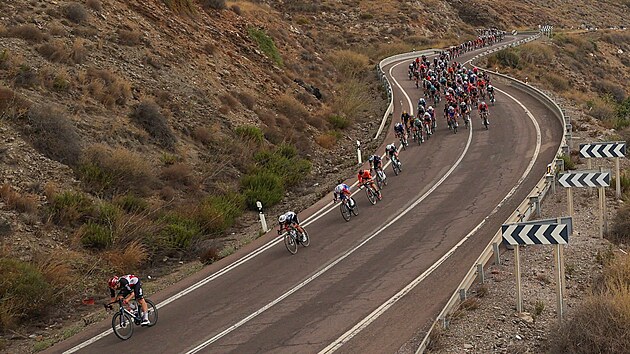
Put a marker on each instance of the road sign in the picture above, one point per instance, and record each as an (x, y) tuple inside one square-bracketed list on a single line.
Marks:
[(565, 220), (583, 179), (607, 149), (535, 234)]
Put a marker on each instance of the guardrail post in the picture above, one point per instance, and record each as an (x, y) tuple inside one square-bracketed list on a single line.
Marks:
[(560, 163), (551, 180), (566, 150), (462, 294), (497, 255), (480, 273), (536, 202)]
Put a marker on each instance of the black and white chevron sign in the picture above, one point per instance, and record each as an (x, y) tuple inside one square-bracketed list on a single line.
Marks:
[(583, 179), (610, 149), (535, 234)]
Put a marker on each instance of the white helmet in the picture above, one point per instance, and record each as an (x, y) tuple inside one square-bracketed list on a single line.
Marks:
[(282, 218), (389, 147)]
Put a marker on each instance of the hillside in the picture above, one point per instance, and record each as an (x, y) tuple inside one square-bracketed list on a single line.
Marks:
[(139, 134)]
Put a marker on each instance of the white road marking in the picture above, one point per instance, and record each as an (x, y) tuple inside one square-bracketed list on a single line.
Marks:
[(335, 262), (394, 299)]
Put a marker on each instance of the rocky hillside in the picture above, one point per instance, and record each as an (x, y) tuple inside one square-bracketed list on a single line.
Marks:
[(139, 134)]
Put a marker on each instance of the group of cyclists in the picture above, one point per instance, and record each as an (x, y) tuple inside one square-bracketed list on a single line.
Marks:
[(486, 37)]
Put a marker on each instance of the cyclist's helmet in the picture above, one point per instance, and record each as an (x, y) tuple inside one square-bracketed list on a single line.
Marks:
[(282, 218), (113, 282), (340, 181), (389, 147), (398, 125), (490, 87), (430, 108), (371, 158), (483, 103)]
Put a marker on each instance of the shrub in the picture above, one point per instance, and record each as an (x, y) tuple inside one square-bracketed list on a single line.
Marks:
[(27, 32), (147, 115), (179, 175), (78, 53), (263, 186), (54, 51), (217, 213), (108, 88), (327, 141), (26, 77), (602, 110), (25, 293), (606, 87), (53, 135), (292, 109), (266, 44), (536, 53), (508, 58), (349, 63), (108, 171), (250, 133), (75, 12), (11, 104), (202, 135), (620, 231), (213, 4), (131, 203), (95, 236), (129, 259), (247, 100), (285, 163), (180, 233), (14, 200), (107, 214), (129, 37), (70, 207), (181, 6), (95, 5), (568, 162), (338, 122), (557, 82), (236, 9)]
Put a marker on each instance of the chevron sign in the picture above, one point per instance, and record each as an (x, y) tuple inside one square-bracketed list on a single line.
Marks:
[(535, 234), (596, 150), (582, 179)]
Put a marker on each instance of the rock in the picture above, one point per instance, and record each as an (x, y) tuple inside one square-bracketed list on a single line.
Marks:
[(525, 317), (519, 337), (468, 346)]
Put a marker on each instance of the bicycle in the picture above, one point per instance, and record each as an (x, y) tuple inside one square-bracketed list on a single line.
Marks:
[(484, 116), (347, 210), (291, 239), (452, 123), (396, 165), (403, 140), (467, 119), (492, 100), (372, 195), (124, 320), (381, 179), (417, 135)]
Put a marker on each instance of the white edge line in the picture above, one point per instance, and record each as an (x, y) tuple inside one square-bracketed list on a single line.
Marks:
[(335, 262), (394, 299)]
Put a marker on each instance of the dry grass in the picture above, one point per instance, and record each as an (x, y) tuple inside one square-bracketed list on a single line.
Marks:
[(75, 12), (27, 32), (149, 116), (350, 64), (95, 5), (291, 108), (54, 135), (54, 51), (130, 37), (327, 141), (470, 304), (107, 87), (128, 259), (202, 135), (11, 104), (179, 176), (115, 171), (23, 203)]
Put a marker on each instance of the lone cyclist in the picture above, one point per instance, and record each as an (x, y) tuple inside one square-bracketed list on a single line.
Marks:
[(291, 218), (129, 287), (342, 191)]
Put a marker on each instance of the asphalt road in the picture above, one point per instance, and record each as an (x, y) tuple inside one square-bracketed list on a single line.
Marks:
[(351, 268)]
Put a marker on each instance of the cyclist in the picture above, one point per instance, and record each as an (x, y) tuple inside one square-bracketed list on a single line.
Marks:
[(463, 109), (365, 177), (427, 123), (391, 151), (490, 92), (417, 126), (483, 109), (399, 129), (290, 218), (129, 287), (341, 192), (376, 163)]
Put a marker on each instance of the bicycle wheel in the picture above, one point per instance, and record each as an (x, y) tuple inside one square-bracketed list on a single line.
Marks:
[(379, 181), (402, 142), (307, 240), (485, 122), (455, 127), (153, 313), (395, 167), (122, 325), (355, 208), (290, 242), (345, 211), (371, 195)]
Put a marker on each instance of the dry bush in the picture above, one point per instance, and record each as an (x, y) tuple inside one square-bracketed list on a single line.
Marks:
[(75, 12), (11, 104), (148, 115), (236, 9), (327, 141), (536, 53), (210, 255), (53, 134), (202, 135), (179, 176), (247, 100), (26, 76), (316, 121), (557, 82), (606, 87), (213, 4), (54, 51), (58, 80), (598, 325), (56, 268), (353, 99), (116, 171), (17, 201), (229, 101), (291, 108), (180, 6), (129, 258), (107, 87), (602, 110), (95, 5), (209, 48), (27, 32), (131, 37), (620, 231), (617, 273), (79, 52)]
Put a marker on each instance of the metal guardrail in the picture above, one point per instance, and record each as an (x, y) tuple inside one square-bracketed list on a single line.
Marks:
[(528, 208)]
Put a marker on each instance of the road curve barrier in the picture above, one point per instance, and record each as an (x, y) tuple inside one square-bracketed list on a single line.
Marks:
[(523, 212)]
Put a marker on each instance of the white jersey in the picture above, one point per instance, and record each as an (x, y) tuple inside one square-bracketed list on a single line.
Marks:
[(341, 188)]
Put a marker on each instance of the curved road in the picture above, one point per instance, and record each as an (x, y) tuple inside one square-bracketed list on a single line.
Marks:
[(275, 302)]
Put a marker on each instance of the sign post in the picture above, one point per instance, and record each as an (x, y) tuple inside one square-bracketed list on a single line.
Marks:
[(615, 149), (582, 179), (539, 232), (359, 152), (263, 221)]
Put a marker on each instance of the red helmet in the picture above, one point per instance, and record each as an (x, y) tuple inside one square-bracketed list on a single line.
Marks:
[(113, 282)]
